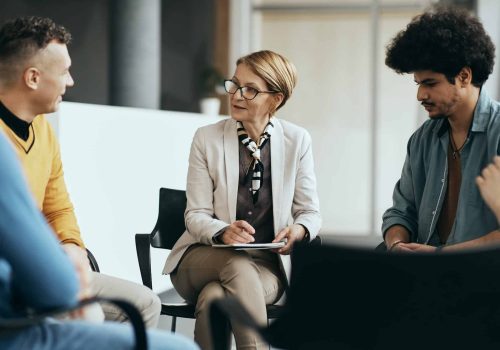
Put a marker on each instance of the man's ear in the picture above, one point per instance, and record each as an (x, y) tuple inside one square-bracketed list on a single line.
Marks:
[(465, 76), (31, 78)]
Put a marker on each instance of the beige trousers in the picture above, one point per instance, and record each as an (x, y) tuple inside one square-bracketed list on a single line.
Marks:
[(146, 301), (253, 277)]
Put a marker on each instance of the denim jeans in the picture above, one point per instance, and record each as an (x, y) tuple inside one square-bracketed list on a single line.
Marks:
[(68, 335)]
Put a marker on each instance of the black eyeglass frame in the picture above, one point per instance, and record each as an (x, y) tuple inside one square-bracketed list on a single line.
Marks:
[(242, 87)]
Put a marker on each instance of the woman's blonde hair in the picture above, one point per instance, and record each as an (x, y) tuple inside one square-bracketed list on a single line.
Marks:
[(279, 73)]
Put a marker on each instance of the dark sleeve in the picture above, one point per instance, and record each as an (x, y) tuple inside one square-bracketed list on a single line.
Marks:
[(42, 276), (403, 211)]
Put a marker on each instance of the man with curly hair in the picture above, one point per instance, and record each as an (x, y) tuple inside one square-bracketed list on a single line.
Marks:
[(34, 75), (436, 203)]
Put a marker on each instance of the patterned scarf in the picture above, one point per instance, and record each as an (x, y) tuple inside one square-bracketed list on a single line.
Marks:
[(257, 166)]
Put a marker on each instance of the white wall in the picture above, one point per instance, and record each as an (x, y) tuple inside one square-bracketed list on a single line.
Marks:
[(488, 11), (333, 55), (115, 160)]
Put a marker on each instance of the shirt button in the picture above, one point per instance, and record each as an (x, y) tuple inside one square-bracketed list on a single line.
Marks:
[(442, 180), (250, 213), (433, 212)]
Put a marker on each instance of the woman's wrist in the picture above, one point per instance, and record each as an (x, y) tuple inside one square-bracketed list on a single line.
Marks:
[(306, 237)]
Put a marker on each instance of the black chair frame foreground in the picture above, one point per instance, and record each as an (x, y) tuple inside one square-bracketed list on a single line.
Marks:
[(11, 325), (168, 229), (92, 261), (380, 300)]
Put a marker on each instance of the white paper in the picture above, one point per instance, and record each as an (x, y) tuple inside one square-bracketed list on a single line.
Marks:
[(240, 246)]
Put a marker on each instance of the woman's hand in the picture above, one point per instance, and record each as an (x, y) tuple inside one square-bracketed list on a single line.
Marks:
[(292, 234), (238, 232)]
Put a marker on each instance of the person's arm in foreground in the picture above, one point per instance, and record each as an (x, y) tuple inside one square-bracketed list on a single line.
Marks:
[(489, 186), (43, 278)]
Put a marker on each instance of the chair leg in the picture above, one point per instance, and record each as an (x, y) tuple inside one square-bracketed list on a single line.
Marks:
[(269, 345), (174, 323)]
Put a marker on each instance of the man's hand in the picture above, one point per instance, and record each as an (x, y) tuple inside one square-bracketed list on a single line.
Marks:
[(395, 236), (78, 257), (292, 234), (238, 232), (413, 248)]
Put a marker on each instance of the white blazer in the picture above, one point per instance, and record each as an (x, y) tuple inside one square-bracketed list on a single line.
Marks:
[(212, 184)]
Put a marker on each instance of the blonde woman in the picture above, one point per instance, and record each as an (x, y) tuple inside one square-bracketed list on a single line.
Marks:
[(251, 179)]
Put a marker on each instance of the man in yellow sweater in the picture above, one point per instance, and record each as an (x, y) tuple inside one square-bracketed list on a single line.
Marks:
[(34, 75)]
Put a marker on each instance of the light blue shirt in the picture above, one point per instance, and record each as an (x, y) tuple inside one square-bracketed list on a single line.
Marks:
[(419, 194), (35, 273)]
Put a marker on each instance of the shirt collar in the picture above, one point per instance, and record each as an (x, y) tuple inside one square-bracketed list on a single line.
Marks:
[(19, 126), (482, 113), (480, 119)]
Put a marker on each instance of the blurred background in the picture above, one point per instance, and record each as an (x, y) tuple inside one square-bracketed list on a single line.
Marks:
[(170, 54)]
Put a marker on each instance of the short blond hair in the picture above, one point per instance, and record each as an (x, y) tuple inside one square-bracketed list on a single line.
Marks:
[(278, 72)]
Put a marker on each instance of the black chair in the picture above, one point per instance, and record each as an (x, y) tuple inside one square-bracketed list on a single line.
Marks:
[(377, 300), (10, 325), (169, 227), (381, 247), (135, 318), (92, 261)]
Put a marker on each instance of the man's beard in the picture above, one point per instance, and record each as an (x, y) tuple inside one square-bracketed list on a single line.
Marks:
[(439, 117)]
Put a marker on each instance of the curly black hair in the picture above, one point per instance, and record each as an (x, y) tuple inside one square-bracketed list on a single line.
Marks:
[(443, 40), (23, 37)]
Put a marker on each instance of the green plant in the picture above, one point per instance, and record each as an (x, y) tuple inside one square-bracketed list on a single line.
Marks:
[(211, 82)]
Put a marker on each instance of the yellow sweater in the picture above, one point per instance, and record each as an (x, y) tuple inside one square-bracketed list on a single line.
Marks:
[(44, 172)]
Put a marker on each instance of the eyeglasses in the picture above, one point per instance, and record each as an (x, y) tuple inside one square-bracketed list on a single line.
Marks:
[(247, 92)]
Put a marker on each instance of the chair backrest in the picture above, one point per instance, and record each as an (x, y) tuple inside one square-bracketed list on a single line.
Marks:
[(94, 266), (390, 301), (170, 223)]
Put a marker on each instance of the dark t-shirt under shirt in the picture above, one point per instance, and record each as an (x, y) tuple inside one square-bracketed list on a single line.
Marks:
[(449, 209)]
